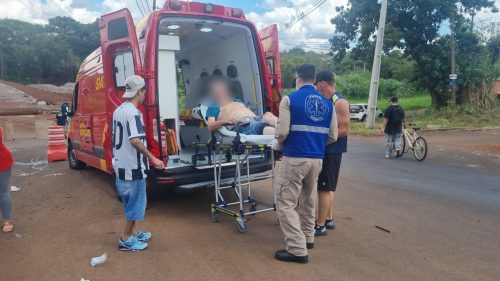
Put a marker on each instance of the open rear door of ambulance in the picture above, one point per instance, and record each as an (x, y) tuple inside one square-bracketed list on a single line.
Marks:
[(270, 44), (120, 59)]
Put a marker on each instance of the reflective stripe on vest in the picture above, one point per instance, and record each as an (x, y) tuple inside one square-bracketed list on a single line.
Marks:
[(310, 129)]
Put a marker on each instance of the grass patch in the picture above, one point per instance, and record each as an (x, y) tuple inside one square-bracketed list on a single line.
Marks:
[(461, 118), (359, 128), (408, 103), (446, 118)]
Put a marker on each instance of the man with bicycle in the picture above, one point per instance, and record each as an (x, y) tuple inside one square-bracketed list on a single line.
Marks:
[(394, 119)]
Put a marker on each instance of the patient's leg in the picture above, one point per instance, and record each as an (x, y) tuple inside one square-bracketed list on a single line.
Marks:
[(269, 131), (269, 119)]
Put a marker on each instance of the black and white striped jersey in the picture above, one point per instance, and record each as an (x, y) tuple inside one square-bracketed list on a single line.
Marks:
[(128, 163)]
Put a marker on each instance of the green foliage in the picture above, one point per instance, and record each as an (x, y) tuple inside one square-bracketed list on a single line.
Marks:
[(417, 102), (292, 58), (412, 26), (494, 48), (480, 79), (31, 53), (357, 85)]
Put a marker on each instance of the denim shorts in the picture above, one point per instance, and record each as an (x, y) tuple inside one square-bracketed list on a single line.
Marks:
[(254, 128), (134, 198)]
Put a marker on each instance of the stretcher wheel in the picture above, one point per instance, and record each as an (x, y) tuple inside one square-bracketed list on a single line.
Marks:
[(253, 208), (241, 226), (213, 215)]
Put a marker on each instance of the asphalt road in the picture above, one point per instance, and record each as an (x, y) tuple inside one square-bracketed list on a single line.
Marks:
[(443, 215)]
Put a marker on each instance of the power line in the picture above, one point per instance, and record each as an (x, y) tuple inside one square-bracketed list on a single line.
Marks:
[(138, 6), (143, 8), (303, 15), (146, 11), (147, 5)]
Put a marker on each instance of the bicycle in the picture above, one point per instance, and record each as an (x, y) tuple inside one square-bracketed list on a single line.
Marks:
[(415, 142)]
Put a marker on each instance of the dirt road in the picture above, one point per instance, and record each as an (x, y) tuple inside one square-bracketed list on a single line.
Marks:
[(443, 214)]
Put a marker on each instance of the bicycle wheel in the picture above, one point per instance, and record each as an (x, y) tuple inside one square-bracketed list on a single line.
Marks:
[(403, 146), (420, 149)]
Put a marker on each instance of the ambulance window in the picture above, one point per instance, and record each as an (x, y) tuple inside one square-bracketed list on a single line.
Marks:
[(270, 65), (74, 103), (124, 67), (117, 29)]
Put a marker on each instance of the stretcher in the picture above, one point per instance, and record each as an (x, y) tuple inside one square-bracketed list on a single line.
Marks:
[(228, 148)]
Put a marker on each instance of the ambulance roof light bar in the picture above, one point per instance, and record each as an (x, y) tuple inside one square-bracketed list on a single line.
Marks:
[(205, 8)]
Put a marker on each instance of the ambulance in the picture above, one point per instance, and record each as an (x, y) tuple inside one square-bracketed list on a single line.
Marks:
[(172, 48)]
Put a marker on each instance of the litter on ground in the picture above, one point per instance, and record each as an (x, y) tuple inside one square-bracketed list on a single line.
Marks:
[(14, 188), (99, 260)]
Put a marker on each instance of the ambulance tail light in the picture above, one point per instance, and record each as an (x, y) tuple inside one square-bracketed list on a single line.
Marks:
[(237, 13)]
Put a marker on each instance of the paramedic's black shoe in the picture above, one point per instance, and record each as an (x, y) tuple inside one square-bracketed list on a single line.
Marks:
[(283, 255), (319, 230), (310, 246), (330, 224)]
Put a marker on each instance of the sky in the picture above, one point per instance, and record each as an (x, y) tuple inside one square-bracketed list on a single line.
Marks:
[(311, 33)]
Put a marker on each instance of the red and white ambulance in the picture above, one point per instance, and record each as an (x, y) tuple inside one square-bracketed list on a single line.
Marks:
[(171, 48)]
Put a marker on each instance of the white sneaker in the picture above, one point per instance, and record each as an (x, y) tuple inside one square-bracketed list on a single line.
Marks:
[(387, 156)]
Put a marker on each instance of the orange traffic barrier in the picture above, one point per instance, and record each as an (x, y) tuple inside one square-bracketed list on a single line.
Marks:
[(57, 144)]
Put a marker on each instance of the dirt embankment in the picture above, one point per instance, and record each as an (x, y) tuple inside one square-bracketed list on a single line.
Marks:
[(51, 98)]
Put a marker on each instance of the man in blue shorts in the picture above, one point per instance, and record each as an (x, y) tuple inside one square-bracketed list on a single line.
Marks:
[(130, 161), (230, 111)]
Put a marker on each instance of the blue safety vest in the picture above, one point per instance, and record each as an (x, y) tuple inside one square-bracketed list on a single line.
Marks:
[(340, 146), (310, 118)]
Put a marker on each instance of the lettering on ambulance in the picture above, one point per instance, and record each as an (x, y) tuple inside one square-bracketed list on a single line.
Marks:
[(99, 83), (84, 131)]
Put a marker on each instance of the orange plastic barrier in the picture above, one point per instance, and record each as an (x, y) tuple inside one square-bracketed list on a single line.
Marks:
[(57, 144)]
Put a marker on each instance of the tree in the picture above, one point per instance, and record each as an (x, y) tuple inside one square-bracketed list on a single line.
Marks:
[(31, 53), (292, 58), (412, 26), (494, 48)]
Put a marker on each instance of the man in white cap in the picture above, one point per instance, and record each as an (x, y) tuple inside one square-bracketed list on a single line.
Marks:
[(130, 161)]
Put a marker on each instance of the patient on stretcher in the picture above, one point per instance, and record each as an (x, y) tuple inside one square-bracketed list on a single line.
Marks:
[(226, 110)]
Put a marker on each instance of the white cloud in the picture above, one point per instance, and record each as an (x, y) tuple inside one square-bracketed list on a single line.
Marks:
[(488, 22), (39, 11), (312, 32), (36, 11)]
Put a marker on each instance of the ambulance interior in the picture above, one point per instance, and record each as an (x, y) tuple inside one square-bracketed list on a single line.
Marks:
[(191, 48)]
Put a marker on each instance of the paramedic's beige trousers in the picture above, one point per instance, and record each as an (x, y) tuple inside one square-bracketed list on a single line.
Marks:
[(296, 192)]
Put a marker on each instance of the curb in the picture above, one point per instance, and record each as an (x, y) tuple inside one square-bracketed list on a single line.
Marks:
[(465, 129)]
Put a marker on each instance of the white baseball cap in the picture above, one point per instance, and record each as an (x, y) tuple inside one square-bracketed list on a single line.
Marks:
[(133, 84)]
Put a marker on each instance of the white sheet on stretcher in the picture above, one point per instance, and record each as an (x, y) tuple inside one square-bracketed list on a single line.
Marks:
[(227, 136)]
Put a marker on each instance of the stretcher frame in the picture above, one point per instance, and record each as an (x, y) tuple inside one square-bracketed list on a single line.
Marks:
[(240, 183)]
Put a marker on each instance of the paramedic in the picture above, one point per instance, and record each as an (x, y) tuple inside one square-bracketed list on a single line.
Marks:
[(228, 110), (130, 161), (329, 176), (306, 124)]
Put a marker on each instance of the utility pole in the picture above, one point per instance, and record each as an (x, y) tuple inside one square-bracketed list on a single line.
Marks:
[(154, 5), (377, 60), (453, 62)]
